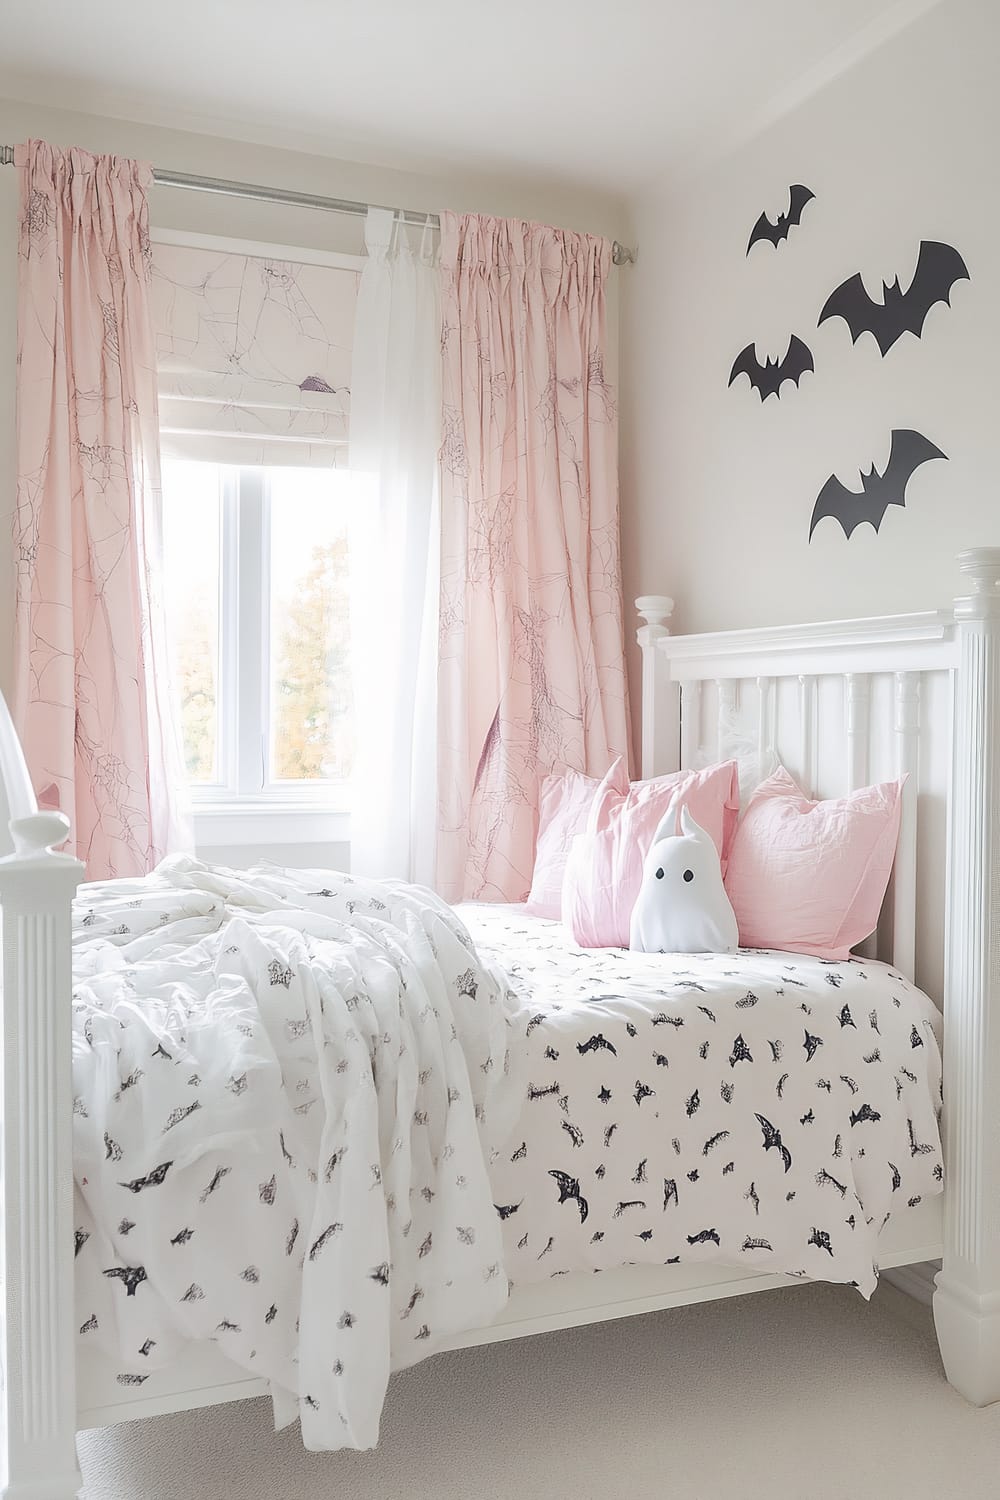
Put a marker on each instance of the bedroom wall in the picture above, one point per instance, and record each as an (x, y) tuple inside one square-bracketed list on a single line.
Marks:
[(181, 151), (718, 489)]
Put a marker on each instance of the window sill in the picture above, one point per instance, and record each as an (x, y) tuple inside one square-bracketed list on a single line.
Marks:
[(218, 823)]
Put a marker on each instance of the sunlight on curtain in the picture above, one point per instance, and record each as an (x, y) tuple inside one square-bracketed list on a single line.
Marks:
[(92, 699), (395, 434)]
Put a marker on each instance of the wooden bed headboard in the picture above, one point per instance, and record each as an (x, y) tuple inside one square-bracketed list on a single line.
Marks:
[(840, 704)]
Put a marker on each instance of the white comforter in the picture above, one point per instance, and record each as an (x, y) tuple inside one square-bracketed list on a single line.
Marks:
[(762, 1110), (289, 1085)]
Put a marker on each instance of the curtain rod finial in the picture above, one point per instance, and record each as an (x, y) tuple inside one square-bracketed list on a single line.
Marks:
[(622, 255), (6, 156)]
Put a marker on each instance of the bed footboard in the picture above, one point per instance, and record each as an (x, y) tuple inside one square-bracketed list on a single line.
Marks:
[(37, 1339)]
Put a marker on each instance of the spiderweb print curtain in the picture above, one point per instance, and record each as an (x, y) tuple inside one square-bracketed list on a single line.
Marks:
[(532, 670), (91, 692)]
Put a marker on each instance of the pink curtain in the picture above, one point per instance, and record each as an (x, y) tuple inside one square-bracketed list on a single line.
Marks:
[(532, 672), (90, 693)]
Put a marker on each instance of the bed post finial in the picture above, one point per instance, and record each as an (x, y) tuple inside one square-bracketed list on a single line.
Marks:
[(660, 698), (37, 1338), (967, 1297)]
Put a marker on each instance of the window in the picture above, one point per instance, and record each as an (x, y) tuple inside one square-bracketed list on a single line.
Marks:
[(256, 562), (254, 346)]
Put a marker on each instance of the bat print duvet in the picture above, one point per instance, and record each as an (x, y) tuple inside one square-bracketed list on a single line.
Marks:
[(326, 1123), (288, 1087), (763, 1110)]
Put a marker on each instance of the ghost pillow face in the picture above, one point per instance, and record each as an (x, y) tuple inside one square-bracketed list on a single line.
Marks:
[(682, 906)]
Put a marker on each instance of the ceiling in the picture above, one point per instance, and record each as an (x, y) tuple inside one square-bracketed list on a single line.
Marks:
[(607, 93)]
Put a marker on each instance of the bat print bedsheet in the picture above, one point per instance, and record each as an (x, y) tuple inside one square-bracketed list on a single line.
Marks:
[(288, 1087), (766, 1110)]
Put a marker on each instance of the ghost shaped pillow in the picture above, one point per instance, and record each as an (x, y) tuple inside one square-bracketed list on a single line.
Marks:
[(682, 906)]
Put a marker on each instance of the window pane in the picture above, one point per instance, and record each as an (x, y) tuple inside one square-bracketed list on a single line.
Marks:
[(192, 516), (311, 700)]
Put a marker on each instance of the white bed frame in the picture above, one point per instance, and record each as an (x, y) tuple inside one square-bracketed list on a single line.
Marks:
[(841, 703)]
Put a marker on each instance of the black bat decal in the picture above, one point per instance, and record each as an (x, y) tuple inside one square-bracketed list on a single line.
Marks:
[(160, 1051), (521, 1152), (569, 1188), (639, 1175), (380, 1274), (152, 1179), (751, 1196), (707, 1012), (938, 268), (642, 1091), (629, 1203), (670, 1192), (646, 1234), (600, 1040), (768, 378), (751, 1244), (146, 1346), (845, 1016), (865, 1113), (131, 1276), (798, 197), (662, 1019), (907, 451), (692, 1104), (605, 1095), (574, 1132), (182, 1237), (897, 1179), (772, 1137), (505, 1210), (609, 1132), (713, 1141), (916, 1040), (703, 1236)]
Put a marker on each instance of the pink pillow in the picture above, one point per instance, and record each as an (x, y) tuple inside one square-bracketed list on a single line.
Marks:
[(604, 869), (808, 876), (563, 805)]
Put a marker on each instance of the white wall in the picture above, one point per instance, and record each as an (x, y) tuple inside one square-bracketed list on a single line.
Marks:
[(718, 490), (179, 151)]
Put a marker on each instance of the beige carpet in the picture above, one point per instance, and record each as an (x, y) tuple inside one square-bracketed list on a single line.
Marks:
[(804, 1394)]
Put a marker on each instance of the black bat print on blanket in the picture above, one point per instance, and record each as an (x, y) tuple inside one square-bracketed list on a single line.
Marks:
[(735, 1152)]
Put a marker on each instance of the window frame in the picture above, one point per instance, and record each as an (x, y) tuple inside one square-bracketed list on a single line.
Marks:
[(242, 807), (235, 807)]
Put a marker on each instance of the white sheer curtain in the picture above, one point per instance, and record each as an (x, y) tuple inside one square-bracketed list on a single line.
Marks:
[(395, 544)]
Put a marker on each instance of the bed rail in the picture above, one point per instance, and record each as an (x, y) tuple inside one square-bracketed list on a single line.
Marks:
[(37, 1340)]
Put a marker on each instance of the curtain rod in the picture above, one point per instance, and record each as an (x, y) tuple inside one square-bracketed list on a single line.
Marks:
[(621, 255)]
